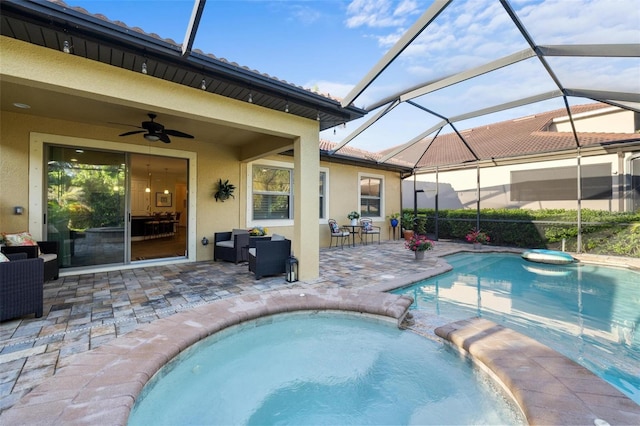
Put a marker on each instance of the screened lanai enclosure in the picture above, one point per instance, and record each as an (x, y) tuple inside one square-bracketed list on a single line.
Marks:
[(518, 118)]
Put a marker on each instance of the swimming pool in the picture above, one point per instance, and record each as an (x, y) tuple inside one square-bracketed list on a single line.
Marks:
[(321, 369), (586, 312)]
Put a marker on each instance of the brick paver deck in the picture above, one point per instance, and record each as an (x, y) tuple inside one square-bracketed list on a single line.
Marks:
[(86, 312)]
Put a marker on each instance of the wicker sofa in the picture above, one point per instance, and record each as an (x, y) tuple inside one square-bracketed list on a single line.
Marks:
[(49, 255), (21, 286), (269, 256)]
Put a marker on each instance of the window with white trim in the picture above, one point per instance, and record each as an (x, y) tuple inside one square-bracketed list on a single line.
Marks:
[(272, 193), (323, 195), (371, 196)]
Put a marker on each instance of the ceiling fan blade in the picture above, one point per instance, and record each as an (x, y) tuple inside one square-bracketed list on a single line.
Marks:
[(132, 132), (164, 138), (178, 133)]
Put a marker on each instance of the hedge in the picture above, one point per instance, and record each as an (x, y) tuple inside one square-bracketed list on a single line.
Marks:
[(602, 232)]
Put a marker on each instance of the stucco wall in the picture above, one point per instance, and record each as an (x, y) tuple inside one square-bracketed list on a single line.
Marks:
[(457, 189)]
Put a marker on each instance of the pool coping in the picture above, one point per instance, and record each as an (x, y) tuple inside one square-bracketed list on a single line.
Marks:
[(100, 386), (550, 388)]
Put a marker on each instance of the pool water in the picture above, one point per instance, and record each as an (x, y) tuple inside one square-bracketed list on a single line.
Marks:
[(332, 369), (588, 313)]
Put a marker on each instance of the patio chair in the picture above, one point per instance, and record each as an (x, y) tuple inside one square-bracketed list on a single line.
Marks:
[(338, 233), (45, 250), (231, 246), (368, 230), (269, 255), (21, 286)]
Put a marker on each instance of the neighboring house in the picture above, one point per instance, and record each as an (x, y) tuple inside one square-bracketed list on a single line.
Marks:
[(76, 91), (532, 163)]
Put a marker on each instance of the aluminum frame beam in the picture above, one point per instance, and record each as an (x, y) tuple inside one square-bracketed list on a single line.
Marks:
[(192, 28), (413, 141), (429, 16), (365, 125), (469, 74), (592, 50), (508, 105)]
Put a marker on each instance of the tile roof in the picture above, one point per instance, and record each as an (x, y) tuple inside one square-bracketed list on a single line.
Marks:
[(179, 45), (512, 138)]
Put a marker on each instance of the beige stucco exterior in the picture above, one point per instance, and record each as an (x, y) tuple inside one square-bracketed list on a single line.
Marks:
[(229, 136)]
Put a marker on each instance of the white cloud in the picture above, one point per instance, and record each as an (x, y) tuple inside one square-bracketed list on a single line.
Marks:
[(332, 88), (305, 14), (373, 13), (406, 7)]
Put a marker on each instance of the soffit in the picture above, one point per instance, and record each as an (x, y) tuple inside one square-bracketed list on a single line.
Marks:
[(52, 24)]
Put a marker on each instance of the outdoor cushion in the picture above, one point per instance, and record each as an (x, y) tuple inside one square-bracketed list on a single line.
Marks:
[(367, 227), (277, 237), (252, 251), (3, 258), (48, 256), (228, 243), (237, 231), (335, 229), (19, 239)]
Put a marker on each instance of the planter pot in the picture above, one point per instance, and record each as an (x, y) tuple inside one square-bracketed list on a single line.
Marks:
[(354, 222), (394, 223), (419, 255), (408, 234)]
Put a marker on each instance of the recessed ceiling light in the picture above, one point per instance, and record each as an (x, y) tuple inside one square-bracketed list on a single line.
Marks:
[(21, 105), (79, 151)]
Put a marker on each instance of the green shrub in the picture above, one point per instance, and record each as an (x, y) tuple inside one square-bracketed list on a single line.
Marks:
[(602, 232)]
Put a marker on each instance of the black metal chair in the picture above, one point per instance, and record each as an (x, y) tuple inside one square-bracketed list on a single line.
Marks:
[(21, 286), (338, 233), (368, 229)]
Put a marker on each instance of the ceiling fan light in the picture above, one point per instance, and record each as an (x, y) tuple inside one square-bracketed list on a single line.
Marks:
[(152, 137)]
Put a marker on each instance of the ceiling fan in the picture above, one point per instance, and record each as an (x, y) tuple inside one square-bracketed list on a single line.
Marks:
[(156, 131)]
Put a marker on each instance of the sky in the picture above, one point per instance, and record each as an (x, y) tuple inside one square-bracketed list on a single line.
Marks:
[(330, 45)]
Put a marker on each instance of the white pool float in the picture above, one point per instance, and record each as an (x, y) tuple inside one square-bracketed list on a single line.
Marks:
[(548, 256)]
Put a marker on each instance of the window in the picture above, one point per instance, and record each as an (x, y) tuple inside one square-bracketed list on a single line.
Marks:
[(370, 196), (272, 192), (323, 195), (560, 183)]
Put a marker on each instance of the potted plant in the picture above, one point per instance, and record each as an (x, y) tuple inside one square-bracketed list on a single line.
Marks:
[(224, 191), (419, 244), (353, 216), (258, 231), (394, 219), (477, 237)]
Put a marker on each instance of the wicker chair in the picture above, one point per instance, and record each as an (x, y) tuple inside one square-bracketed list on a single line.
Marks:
[(269, 256), (231, 246), (49, 255), (21, 286)]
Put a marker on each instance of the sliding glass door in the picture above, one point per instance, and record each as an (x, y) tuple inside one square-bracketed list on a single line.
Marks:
[(115, 208), (86, 205)]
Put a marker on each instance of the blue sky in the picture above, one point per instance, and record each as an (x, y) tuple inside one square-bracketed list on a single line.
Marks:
[(330, 45)]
